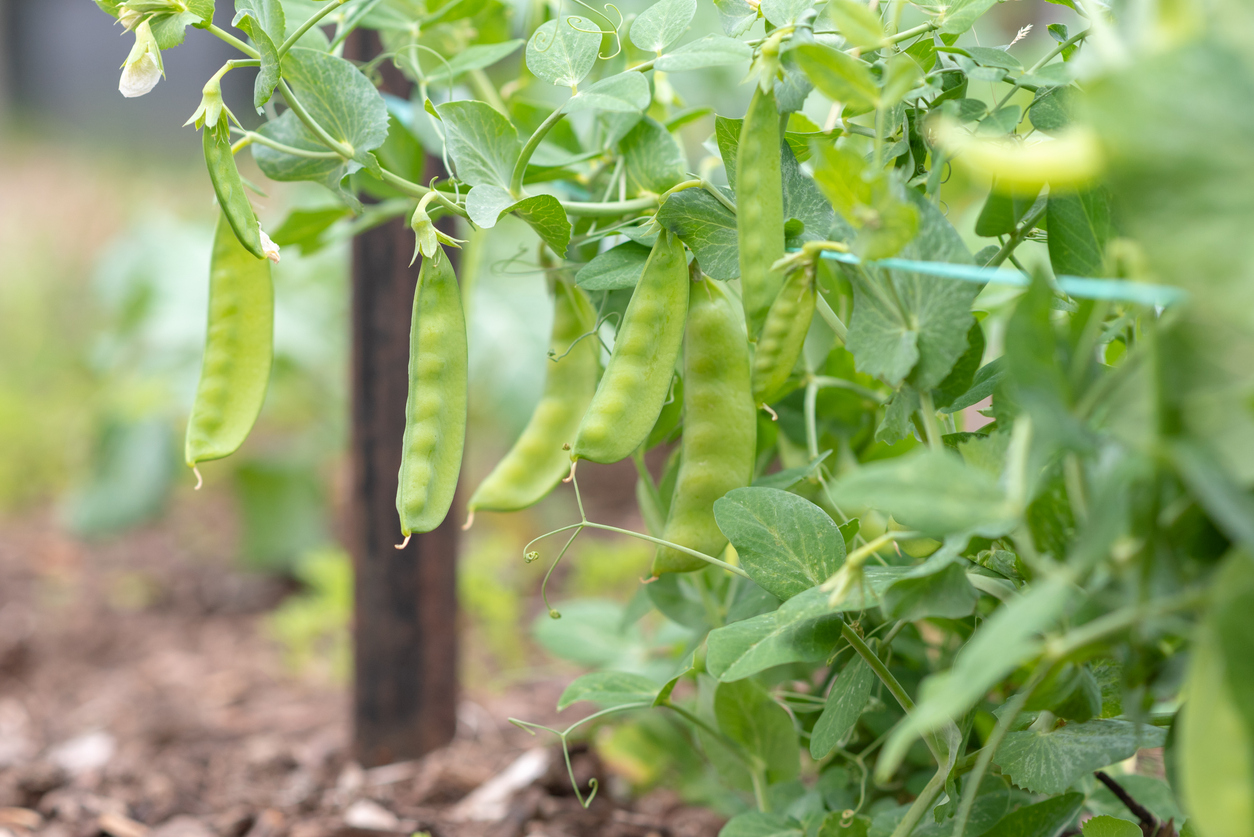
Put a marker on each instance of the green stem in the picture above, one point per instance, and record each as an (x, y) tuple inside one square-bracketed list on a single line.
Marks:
[(261, 139), (609, 210), (872, 659), (520, 168), (907, 34), (930, 427), (344, 150), (233, 41), (924, 800), (731, 568), (811, 410), (1119, 620), (840, 383), (309, 24), (1016, 238), (1012, 710), (832, 319)]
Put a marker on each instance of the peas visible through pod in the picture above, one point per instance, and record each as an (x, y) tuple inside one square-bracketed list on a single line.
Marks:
[(537, 462), (783, 335), (239, 348), (435, 412), (229, 187), (720, 428), (759, 208), (638, 377)]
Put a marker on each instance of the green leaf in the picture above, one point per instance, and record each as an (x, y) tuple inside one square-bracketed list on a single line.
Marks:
[(618, 267), (990, 57), (803, 201), (736, 16), (473, 57), (747, 715), (945, 593), (545, 215), (1002, 213), (591, 633), (934, 492), (845, 703), (338, 97), (268, 14), (624, 93), (962, 14), (1051, 762), (860, 26), (785, 12), (838, 75), (786, 543), (788, 477), (1155, 794), (609, 688), (304, 228), (481, 143), (653, 159), (168, 29), (1235, 629), (901, 76), (562, 54), (1044, 819), (803, 629), (1110, 827), (708, 228), (758, 824), (276, 165), (1079, 228), (961, 378), (1002, 643), (1051, 110), (486, 203), (660, 25), (710, 51), (269, 74)]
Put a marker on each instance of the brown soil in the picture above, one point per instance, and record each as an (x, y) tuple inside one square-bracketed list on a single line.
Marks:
[(140, 697)]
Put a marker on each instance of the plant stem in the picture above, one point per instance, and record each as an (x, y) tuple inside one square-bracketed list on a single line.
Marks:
[(1016, 238), (877, 665), (344, 150), (930, 427), (520, 167), (907, 34), (731, 568), (920, 805), (832, 319), (233, 41), (1119, 620), (261, 139), (608, 210), (1138, 810), (309, 24), (824, 381)]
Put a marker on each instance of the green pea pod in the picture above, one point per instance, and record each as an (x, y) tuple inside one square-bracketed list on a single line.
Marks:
[(720, 428), (435, 412), (239, 348), (636, 382), (759, 208), (783, 335), (536, 461), (229, 187)]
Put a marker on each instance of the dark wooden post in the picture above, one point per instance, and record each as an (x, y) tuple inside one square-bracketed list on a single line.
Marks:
[(405, 646)]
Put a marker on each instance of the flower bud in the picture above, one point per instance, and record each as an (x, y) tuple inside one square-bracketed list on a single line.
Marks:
[(269, 247), (211, 105), (142, 69), (428, 238), (129, 18)]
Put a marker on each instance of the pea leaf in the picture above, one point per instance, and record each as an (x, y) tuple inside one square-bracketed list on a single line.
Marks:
[(934, 492), (481, 143), (845, 703), (1051, 762), (486, 203), (304, 228), (962, 14), (945, 593), (168, 29), (653, 159), (561, 54), (710, 51), (838, 75), (660, 25), (785, 12), (786, 543), (758, 824), (1079, 228), (1002, 212), (624, 93), (747, 715), (1050, 110), (736, 16), (545, 215), (860, 26), (1044, 819), (1105, 826), (804, 628), (473, 57), (618, 267), (248, 19), (707, 227), (340, 99), (609, 688), (901, 76), (1006, 640), (276, 165)]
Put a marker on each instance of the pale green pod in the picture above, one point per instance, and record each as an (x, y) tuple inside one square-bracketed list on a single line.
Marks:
[(638, 377), (229, 187), (759, 208), (720, 428), (783, 336), (239, 350), (537, 461), (435, 412)]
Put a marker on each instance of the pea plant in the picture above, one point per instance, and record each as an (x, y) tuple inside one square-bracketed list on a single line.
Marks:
[(896, 615)]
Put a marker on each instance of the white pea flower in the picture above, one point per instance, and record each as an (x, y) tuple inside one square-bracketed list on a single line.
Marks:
[(129, 18), (269, 247), (143, 68)]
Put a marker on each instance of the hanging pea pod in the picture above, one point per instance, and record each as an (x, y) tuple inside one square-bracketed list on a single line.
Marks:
[(229, 187), (435, 412), (720, 428), (759, 208), (638, 377), (783, 335), (537, 461), (239, 348)]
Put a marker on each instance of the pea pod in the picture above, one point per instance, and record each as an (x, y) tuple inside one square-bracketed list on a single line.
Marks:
[(759, 208), (783, 335), (635, 384), (536, 461), (720, 428), (435, 412), (229, 187), (239, 348)]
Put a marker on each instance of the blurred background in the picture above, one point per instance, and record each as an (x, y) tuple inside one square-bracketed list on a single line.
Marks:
[(105, 227)]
